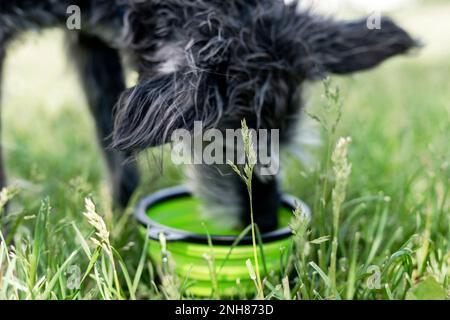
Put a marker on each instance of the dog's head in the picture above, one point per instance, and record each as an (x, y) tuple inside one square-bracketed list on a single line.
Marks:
[(221, 61)]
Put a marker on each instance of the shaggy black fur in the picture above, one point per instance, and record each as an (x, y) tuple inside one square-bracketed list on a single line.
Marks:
[(214, 61)]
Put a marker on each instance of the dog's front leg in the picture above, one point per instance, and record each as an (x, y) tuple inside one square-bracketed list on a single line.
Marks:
[(266, 200), (102, 77)]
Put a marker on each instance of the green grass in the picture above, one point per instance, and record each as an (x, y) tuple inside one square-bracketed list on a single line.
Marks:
[(388, 239)]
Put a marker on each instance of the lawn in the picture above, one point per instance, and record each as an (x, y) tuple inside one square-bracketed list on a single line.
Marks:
[(390, 238)]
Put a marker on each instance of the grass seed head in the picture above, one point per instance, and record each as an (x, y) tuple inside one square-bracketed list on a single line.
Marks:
[(97, 222), (342, 170)]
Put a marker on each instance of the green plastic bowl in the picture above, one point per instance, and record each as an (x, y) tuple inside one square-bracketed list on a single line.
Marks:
[(175, 213)]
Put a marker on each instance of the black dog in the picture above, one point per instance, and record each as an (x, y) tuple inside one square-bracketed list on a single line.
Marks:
[(215, 61)]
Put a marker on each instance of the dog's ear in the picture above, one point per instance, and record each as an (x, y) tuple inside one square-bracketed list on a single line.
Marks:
[(148, 114), (346, 47)]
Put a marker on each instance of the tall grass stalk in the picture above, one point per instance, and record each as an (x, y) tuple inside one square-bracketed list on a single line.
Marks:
[(101, 240), (329, 117), (247, 176), (342, 169)]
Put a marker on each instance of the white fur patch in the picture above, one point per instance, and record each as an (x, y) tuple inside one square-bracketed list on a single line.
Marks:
[(172, 57), (220, 199)]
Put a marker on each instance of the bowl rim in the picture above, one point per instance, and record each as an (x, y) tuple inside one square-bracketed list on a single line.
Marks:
[(154, 229)]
